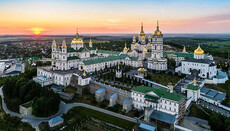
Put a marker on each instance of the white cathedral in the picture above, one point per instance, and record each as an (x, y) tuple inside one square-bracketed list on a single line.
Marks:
[(150, 50), (66, 58)]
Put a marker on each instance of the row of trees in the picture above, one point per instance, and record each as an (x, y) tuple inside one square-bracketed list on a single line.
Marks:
[(21, 89)]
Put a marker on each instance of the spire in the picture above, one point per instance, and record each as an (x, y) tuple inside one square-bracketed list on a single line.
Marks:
[(142, 33), (134, 37), (142, 30), (118, 67), (90, 41), (77, 35), (157, 25), (125, 49), (184, 50)]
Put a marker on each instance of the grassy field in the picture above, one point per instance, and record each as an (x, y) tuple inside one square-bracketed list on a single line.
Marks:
[(163, 78), (104, 117), (197, 112), (70, 90)]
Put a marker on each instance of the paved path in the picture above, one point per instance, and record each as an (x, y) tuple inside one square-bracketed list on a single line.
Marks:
[(63, 108)]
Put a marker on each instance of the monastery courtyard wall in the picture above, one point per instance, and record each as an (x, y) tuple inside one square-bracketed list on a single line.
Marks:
[(122, 94)]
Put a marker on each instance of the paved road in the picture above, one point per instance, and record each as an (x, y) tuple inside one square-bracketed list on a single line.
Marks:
[(63, 108)]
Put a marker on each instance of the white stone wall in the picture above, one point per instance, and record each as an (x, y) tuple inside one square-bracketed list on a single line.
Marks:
[(164, 105)]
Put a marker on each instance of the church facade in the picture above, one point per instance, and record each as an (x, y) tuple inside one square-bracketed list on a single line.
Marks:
[(199, 65), (150, 50)]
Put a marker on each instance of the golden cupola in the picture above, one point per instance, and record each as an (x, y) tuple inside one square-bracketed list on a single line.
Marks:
[(77, 40), (135, 46), (149, 37), (142, 33), (134, 37), (145, 50), (157, 32), (198, 51), (143, 38), (125, 49), (84, 74), (142, 69)]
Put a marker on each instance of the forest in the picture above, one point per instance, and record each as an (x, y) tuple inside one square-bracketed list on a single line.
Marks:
[(21, 89)]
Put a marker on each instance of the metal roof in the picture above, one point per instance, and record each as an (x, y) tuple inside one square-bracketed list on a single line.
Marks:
[(112, 96), (100, 90), (162, 116), (212, 94), (55, 120), (147, 127)]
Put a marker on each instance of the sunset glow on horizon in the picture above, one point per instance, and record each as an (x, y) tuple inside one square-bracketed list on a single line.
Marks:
[(108, 16)]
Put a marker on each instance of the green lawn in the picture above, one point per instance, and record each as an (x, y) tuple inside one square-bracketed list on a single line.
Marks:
[(103, 117), (70, 90), (163, 78), (197, 112)]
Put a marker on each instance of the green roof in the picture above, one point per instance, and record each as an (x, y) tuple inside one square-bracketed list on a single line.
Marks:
[(70, 49), (100, 60), (134, 58), (91, 48), (180, 54), (192, 87), (27, 105), (93, 55), (151, 97), (72, 58), (109, 52), (82, 49), (160, 92)]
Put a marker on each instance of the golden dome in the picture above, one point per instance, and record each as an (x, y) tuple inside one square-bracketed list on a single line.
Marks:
[(170, 83), (64, 43), (141, 69), (135, 46), (54, 43), (142, 33), (149, 37), (134, 37), (90, 41), (125, 49), (77, 41), (143, 38), (151, 45), (157, 32), (199, 51), (145, 50), (194, 81), (171, 87)]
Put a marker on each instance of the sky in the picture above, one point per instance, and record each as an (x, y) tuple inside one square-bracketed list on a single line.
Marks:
[(113, 16)]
